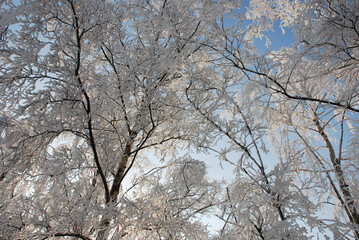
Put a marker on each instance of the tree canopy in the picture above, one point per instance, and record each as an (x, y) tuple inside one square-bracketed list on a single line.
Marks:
[(106, 103)]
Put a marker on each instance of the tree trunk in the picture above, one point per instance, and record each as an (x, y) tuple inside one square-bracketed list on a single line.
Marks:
[(348, 203), (115, 190)]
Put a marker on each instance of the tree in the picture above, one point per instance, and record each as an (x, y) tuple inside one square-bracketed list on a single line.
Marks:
[(87, 86), (311, 97), (260, 203), (320, 72)]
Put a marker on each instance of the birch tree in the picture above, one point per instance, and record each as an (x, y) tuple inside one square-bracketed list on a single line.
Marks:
[(87, 86), (312, 99), (319, 83), (264, 201)]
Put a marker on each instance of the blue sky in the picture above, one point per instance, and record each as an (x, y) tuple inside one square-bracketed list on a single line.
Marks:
[(277, 37)]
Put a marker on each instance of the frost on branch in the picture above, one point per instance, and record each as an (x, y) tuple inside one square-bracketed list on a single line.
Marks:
[(92, 92)]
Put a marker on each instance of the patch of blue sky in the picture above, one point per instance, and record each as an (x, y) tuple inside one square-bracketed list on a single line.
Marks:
[(276, 37), (272, 39)]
